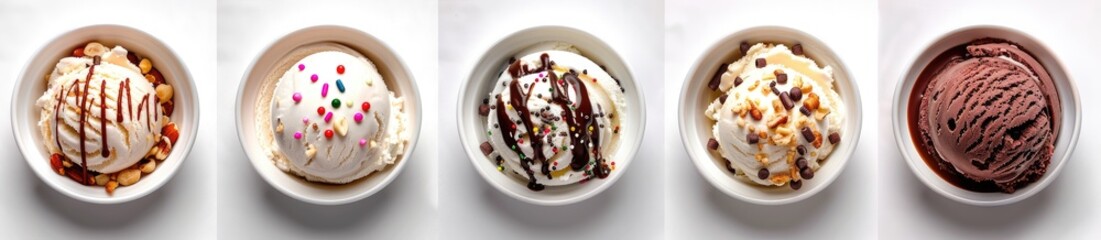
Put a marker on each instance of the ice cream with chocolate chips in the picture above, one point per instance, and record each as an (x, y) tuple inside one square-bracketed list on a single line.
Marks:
[(777, 117), (334, 120), (985, 116), (553, 118)]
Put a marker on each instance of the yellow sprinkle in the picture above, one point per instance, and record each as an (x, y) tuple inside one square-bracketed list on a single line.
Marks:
[(590, 128), (509, 106), (571, 129)]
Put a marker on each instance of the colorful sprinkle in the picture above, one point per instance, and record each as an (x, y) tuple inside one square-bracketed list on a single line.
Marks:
[(340, 69), (328, 117), (366, 106), (297, 97), (313, 78), (359, 117), (500, 168), (325, 90), (320, 111), (336, 103), (340, 85), (298, 135), (328, 133), (362, 142), (305, 120), (301, 67)]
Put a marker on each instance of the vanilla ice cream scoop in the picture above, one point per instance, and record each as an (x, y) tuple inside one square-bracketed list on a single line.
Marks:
[(100, 112), (778, 116), (334, 120), (553, 118)]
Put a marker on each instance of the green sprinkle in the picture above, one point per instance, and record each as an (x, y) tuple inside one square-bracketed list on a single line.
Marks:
[(336, 103)]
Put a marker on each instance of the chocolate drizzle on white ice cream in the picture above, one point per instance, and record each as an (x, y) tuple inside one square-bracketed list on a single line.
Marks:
[(545, 114)]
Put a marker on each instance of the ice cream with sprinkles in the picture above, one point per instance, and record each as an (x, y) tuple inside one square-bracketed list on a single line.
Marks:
[(334, 120)]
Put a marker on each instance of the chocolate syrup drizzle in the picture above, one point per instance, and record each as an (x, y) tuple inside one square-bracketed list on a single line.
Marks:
[(82, 99), (578, 121)]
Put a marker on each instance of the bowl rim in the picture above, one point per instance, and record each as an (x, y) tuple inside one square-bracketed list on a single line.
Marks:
[(578, 195), (917, 164), (185, 149), (397, 167), (704, 162)]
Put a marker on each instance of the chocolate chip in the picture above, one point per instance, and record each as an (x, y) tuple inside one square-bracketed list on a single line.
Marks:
[(737, 81), (807, 173), (834, 138), (486, 148), (744, 48), (763, 173), (782, 78), (797, 49), (585, 71), (722, 100), (801, 163), (761, 62), (717, 78), (96, 60), (482, 110), (803, 109), (796, 184), (772, 86), (712, 144), (786, 100), (494, 107), (752, 138), (796, 94), (801, 150), (485, 100), (807, 134), (728, 167)]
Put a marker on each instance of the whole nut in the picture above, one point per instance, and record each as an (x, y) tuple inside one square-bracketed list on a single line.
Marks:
[(94, 49), (128, 177), (102, 179), (164, 147), (150, 78), (145, 65), (811, 102), (146, 168), (110, 186), (164, 92)]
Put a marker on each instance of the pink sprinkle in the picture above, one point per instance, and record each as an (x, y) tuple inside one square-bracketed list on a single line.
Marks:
[(305, 120), (301, 67), (359, 117), (540, 75), (362, 142), (313, 78), (297, 135), (324, 89), (297, 97), (328, 116)]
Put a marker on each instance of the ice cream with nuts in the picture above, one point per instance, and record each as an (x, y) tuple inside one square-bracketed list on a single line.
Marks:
[(334, 120), (985, 116), (777, 117), (552, 118), (105, 116)]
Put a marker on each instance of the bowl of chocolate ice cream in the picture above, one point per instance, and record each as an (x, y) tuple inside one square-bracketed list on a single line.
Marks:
[(986, 116)]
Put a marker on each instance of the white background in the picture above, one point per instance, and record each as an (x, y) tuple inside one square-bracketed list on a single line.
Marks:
[(469, 206), (185, 206), (248, 207), (1066, 208), (693, 206)]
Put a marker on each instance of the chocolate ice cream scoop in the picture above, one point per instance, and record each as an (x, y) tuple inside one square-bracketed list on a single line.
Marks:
[(988, 115)]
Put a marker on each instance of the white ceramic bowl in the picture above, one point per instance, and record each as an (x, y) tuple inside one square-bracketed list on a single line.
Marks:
[(32, 85), (483, 76), (1064, 145), (696, 128), (394, 72)]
